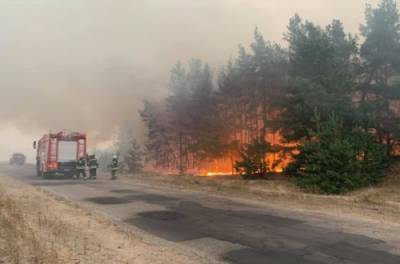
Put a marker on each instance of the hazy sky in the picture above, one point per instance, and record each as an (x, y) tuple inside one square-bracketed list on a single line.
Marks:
[(87, 64)]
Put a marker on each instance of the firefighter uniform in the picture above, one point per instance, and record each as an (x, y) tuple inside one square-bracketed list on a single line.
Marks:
[(80, 168), (93, 166), (114, 168)]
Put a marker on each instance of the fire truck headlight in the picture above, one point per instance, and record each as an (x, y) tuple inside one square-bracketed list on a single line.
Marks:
[(53, 165)]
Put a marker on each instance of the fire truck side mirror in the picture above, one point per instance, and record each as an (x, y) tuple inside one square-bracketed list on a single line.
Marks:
[(34, 144)]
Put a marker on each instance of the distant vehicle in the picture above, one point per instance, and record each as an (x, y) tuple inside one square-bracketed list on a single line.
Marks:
[(58, 153), (17, 159)]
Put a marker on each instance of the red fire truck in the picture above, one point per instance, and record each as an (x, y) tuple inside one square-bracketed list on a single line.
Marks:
[(58, 153)]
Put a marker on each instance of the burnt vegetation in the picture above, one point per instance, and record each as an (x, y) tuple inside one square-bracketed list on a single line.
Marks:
[(325, 110)]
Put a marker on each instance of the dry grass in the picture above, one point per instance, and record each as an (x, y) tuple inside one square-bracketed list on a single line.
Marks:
[(386, 193), (276, 184), (38, 227), (19, 243)]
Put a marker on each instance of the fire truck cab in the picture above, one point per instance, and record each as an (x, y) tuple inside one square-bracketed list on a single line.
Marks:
[(57, 154)]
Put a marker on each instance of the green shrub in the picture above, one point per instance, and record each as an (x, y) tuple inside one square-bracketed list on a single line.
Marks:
[(252, 161), (334, 161)]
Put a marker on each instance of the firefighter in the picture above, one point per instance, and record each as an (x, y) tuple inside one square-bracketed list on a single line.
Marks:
[(93, 166), (81, 168), (114, 167)]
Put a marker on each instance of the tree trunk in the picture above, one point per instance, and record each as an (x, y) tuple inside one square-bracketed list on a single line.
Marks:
[(389, 145), (181, 154)]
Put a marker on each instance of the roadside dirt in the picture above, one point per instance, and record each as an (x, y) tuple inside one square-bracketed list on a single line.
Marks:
[(38, 228)]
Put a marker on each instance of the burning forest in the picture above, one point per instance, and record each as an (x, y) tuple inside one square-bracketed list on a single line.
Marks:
[(322, 108)]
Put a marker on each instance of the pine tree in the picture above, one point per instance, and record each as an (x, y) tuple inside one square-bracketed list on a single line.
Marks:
[(321, 76), (159, 148), (206, 125), (268, 89), (178, 122), (381, 64), (134, 157), (250, 92), (337, 160)]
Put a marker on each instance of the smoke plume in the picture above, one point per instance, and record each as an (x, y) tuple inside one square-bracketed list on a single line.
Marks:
[(87, 65)]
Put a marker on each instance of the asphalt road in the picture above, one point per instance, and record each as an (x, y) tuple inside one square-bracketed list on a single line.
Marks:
[(224, 230)]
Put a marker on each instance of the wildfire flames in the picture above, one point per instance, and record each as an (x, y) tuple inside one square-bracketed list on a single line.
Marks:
[(229, 173), (212, 174), (225, 166)]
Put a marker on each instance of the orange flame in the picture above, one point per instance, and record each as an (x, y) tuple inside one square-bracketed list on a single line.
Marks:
[(277, 161)]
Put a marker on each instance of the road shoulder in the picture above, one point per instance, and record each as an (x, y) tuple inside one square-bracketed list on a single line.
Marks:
[(341, 213), (37, 225)]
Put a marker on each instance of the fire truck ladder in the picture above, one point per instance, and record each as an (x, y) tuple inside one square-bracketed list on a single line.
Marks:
[(53, 149)]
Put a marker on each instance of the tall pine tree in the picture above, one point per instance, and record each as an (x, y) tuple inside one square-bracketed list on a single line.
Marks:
[(321, 76), (378, 90)]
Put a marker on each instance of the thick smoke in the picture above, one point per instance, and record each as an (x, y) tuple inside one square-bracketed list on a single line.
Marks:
[(87, 64)]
